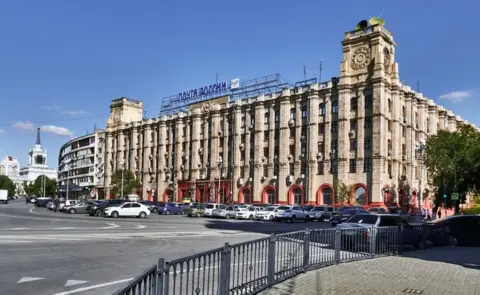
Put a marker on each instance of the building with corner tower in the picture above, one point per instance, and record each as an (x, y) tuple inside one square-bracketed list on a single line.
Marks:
[(292, 145)]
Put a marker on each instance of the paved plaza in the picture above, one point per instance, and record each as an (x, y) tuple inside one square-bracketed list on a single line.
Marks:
[(445, 271)]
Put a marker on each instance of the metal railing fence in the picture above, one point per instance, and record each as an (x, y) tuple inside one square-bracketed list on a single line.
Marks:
[(251, 267)]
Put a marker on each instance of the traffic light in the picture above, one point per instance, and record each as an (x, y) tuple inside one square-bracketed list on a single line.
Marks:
[(444, 196)]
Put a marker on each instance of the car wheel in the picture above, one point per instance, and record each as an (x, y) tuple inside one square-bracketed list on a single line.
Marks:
[(198, 214), (142, 215), (227, 216), (270, 217), (115, 214), (72, 211), (167, 212), (293, 219), (183, 212), (307, 219), (250, 217), (155, 210), (98, 212)]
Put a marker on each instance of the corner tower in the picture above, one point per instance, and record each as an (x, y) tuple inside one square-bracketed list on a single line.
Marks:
[(367, 74)]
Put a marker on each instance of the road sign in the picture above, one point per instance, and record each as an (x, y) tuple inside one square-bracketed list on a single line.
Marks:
[(454, 196)]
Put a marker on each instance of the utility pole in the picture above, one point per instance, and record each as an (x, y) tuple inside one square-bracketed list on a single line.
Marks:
[(123, 168)]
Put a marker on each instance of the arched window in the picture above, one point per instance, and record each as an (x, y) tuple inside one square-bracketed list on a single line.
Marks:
[(327, 194), (271, 196), (297, 196)]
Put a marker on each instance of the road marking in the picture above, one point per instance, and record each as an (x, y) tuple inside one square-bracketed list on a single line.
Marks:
[(18, 228), (140, 226), (110, 225), (93, 287), (63, 228), (74, 282), (28, 279)]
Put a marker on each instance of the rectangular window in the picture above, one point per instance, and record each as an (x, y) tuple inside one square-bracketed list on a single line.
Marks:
[(277, 116), (335, 107), (322, 109), (292, 150), (389, 125), (368, 101), (367, 165), (320, 168), (353, 104), (303, 167), (292, 132), (368, 123), (353, 124), (291, 169), (304, 131), (353, 166), (321, 148), (368, 143), (321, 128), (334, 126), (353, 144), (333, 167), (334, 145)]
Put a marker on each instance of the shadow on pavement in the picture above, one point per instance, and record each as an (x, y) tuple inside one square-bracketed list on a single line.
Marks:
[(264, 227), (468, 257)]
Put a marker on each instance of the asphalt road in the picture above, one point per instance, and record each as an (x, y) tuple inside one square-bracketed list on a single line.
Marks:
[(50, 253)]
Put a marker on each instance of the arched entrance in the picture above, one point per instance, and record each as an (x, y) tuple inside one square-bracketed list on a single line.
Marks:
[(361, 194), (296, 195), (245, 195), (325, 195), (168, 195), (269, 195)]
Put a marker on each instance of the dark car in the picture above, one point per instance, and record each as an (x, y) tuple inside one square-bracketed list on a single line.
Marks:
[(78, 208), (98, 208), (152, 206), (170, 208), (343, 215), (460, 230), (42, 202)]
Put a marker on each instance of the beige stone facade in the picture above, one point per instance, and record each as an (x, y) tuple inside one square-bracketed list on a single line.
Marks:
[(359, 129)]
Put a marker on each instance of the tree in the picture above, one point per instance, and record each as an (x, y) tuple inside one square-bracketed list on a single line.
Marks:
[(130, 183), (453, 164), (29, 188), (7, 184), (343, 192), (35, 188)]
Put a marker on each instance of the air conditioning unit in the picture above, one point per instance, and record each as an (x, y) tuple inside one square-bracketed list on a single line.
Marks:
[(251, 126), (351, 133), (166, 155), (302, 176), (224, 175), (302, 137), (240, 181), (389, 152), (182, 167), (264, 159), (200, 151), (242, 146), (264, 178), (291, 122), (274, 177), (320, 156), (250, 179), (289, 178), (220, 132), (302, 156), (203, 176), (290, 157)]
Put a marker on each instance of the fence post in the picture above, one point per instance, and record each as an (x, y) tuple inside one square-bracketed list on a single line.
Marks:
[(424, 236), (338, 245), (158, 290), (372, 234), (224, 283), (271, 254), (306, 250), (400, 239)]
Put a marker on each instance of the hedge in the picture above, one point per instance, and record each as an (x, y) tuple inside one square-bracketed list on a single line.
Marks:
[(471, 210)]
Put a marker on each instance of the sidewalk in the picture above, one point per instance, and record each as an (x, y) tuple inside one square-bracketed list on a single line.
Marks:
[(436, 271)]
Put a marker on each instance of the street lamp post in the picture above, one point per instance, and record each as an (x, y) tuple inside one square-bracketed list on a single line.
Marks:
[(219, 164), (420, 148), (121, 188)]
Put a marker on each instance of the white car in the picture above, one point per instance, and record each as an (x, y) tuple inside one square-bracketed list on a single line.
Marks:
[(291, 213), (67, 203), (129, 209), (249, 213), (209, 209), (266, 214)]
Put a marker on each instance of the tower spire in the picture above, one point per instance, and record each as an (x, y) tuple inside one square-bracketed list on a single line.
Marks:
[(38, 135)]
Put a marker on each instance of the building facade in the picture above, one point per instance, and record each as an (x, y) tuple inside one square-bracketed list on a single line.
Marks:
[(295, 146), (37, 163), (80, 164)]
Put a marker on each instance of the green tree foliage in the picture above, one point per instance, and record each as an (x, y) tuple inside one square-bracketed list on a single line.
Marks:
[(36, 188), (7, 184), (343, 192), (453, 163), (130, 183)]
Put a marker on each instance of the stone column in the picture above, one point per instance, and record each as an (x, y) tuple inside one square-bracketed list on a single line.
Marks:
[(146, 159), (379, 148), (133, 148), (282, 192), (258, 151), (162, 184), (108, 163), (215, 142), (298, 139), (312, 148), (195, 160), (397, 121), (343, 155), (237, 122)]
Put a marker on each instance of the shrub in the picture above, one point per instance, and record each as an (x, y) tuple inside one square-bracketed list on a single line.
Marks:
[(471, 211)]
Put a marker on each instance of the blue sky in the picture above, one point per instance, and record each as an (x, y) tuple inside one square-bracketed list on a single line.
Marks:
[(61, 62)]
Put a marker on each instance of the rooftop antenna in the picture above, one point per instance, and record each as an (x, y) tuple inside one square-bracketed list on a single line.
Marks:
[(382, 13), (144, 114), (321, 69), (216, 79), (418, 86), (305, 72), (94, 127)]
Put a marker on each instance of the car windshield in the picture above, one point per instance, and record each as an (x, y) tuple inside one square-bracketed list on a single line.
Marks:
[(210, 206), (283, 208), (363, 218), (349, 212), (251, 209), (269, 209), (319, 209)]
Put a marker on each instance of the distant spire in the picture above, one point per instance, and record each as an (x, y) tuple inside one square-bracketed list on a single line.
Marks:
[(38, 135)]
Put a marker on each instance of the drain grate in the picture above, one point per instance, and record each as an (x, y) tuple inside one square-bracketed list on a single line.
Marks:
[(412, 291)]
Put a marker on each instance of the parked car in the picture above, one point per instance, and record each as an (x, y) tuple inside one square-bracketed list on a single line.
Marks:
[(170, 208), (78, 208), (152, 206), (224, 211), (459, 230), (291, 213), (97, 209), (67, 203), (195, 210), (353, 237), (344, 215), (377, 210), (128, 209), (209, 209), (321, 213), (249, 213), (398, 212), (42, 202), (268, 213)]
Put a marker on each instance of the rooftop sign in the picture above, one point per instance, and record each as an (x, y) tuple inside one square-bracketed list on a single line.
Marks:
[(210, 90)]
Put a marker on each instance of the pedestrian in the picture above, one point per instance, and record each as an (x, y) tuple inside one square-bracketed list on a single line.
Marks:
[(439, 213), (26, 200), (57, 203)]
